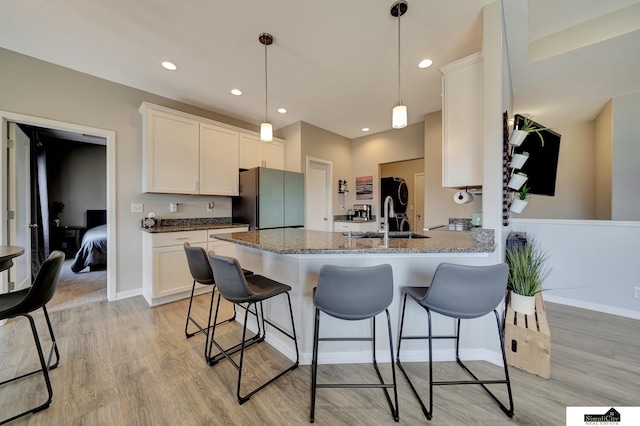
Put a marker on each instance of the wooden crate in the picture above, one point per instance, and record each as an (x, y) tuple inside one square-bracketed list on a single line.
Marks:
[(528, 340)]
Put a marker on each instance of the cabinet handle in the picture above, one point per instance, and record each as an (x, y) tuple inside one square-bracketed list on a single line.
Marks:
[(182, 238)]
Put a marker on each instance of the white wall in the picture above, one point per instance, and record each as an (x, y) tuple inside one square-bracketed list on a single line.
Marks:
[(594, 264), (603, 159), (625, 194)]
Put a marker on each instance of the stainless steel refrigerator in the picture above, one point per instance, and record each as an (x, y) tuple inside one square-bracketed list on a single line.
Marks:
[(269, 198)]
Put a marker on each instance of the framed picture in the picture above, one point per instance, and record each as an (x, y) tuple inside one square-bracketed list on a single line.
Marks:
[(364, 188)]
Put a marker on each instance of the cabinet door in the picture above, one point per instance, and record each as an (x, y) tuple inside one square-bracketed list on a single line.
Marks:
[(170, 154), (462, 153), (171, 271), (222, 248), (273, 155), (251, 152), (219, 160)]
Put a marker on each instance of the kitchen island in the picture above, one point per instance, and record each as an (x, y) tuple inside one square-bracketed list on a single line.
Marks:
[(295, 256)]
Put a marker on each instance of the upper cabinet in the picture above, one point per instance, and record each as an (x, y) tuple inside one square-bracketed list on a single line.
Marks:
[(462, 152), (186, 154), (219, 160), (256, 153), (170, 153)]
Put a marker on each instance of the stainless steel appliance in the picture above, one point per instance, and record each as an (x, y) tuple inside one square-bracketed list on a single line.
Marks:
[(269, 198), (397, 189), (362, 211)]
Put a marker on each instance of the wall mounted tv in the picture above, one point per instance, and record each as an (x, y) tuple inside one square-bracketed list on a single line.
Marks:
[(542, 165)]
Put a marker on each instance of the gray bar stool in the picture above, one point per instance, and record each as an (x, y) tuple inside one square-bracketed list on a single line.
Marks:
[(352, 294), (22, 303), (235, 287), (201, 273), (460, 292)]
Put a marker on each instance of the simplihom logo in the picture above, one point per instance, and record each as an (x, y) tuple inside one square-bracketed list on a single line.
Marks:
[(610, 417)]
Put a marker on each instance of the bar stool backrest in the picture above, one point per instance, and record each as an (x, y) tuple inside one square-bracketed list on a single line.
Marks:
[(229, 278), (354, 293), (199, 264), (43, 288), (463, 291)]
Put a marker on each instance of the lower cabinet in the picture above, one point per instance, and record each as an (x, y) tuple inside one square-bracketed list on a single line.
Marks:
[(369, 226), (165, 272)]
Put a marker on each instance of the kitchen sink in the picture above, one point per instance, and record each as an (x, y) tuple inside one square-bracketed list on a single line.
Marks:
[(392, 234)]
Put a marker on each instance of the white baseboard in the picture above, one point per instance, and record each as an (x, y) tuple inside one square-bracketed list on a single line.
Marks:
[(627, 313)]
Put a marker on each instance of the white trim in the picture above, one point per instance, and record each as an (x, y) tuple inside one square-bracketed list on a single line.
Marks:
[(110, 136), (605, 309), (570, 222), (127, 294)]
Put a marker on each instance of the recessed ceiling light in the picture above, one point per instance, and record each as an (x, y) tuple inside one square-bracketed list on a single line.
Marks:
[(236, 92), (169, 65), (365, 129), (282, 110), (425, 63)]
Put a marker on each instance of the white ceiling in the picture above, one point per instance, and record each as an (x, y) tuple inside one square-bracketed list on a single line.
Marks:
[(333, 64)]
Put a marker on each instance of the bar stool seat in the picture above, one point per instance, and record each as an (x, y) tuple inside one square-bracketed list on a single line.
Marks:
[(254, 289), (352, 294), (202, 274), (460, 292)]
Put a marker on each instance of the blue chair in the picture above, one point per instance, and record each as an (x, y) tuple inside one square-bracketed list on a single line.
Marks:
[(353, 294), (460, 292), (22, 303)]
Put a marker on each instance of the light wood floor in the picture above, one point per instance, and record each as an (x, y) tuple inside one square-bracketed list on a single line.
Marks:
[(124, 363)]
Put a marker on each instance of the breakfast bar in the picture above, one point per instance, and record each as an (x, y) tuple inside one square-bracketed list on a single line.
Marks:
[(295, 256)]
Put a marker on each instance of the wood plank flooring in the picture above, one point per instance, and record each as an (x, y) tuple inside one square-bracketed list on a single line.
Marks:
[(124, 363)]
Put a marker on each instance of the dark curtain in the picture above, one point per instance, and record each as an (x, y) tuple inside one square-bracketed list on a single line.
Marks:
[(39, 205)]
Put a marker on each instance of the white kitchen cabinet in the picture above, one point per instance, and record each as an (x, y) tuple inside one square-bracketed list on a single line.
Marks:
[(256, 153), (219, 160), (369, 226), (462, 152), (165, 272), (170, 153), (186, 154)]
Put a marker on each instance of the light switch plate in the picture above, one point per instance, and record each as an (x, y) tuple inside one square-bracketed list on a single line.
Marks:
[(137, 208)]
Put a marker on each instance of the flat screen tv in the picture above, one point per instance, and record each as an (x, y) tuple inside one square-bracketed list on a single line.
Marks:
[(542, 166)]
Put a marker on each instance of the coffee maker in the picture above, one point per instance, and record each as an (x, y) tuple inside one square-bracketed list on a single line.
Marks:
[(362, 211)]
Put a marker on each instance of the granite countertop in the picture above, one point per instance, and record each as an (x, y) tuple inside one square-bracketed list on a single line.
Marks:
[(192, 224), (302, 241)]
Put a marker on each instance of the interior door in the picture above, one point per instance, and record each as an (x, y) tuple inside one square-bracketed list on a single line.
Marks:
[(18, 204), (317, 195), (418, 201)]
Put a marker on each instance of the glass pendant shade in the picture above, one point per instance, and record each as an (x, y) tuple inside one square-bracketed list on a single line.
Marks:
[(399, 118), (266, 132)]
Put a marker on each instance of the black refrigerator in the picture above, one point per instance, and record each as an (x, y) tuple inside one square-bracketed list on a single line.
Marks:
[(269, 198)]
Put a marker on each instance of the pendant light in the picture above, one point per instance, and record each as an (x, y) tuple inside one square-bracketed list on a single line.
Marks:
[(399, 116), (266, 129)]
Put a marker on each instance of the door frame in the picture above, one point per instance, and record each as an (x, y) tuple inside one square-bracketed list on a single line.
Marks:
[(110, 136), (415, 191), (328, 167)]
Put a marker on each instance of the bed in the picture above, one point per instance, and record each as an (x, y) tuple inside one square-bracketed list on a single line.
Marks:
[(93, 249)]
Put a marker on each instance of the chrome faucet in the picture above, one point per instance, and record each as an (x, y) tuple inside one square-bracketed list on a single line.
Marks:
[(388, 212)]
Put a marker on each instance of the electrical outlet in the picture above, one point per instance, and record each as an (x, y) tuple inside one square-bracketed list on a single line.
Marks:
[(137, 208), (636, 292), (210, 205)]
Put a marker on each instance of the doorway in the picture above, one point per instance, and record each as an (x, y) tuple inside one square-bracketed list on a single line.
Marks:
[(6, 217), (318, 195)]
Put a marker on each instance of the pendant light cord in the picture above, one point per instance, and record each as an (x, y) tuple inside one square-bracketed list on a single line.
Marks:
[(399, 15), (266, 114)]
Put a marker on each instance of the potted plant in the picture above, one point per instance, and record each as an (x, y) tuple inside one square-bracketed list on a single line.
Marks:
[(518, 160), (527, 271), (517, 180), (519, 135), (520, 200)]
